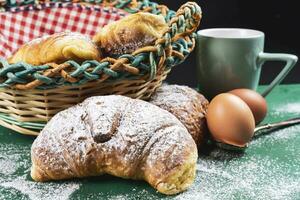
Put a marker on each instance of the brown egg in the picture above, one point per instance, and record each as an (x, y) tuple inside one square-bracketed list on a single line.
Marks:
[(255, 101), (230, 120)]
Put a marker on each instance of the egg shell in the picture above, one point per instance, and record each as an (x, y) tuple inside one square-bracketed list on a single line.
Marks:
[(230, 120), (255, 101)]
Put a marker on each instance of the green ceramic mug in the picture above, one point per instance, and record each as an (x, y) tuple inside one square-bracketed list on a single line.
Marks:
[(230, 58)]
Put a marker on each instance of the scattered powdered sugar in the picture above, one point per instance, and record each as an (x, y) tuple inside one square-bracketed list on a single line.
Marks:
[(14, 174), (254, 178), (133, 194), (12, 158), (45, 191), (7, 165), (269, 169), (174, 95), (288, 108)]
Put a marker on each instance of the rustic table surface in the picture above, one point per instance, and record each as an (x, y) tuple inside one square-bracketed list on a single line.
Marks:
[(269, 168)]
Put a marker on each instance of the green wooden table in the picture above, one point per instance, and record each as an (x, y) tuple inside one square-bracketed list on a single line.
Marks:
[(269, 169)]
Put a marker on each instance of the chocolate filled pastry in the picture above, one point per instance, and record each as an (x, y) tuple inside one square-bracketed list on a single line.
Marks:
[(57, 48), (120, 136), (187, 105), (131, 33)]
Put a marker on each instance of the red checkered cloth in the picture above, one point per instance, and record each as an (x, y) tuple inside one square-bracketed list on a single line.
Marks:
[(23, 24)]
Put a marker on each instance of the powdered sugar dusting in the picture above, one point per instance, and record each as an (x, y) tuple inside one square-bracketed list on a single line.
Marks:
[(7, 165), (187, 105), (288, 108), (132, 194), (174, 95), (255, 178), (38, 191), (14, 177), (116, 135), (268, 170), (12, 158)]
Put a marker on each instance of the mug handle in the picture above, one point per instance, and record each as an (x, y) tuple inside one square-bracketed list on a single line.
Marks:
[(290, 60)]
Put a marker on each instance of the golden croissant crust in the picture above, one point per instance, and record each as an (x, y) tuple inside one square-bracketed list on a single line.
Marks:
[(131, 33), (57, 48), (116, 135)]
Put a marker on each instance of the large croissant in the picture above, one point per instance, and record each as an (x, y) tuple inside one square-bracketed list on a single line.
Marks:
[(57, 48), (130, 33), (120, 136)]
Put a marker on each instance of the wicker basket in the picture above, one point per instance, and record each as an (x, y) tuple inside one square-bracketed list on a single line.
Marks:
[(31, 95)]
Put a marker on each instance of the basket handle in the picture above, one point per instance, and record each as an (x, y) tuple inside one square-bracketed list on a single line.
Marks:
[(186, 21), (182, 25)]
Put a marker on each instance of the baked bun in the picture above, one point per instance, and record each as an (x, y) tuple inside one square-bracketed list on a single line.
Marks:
[(116, 135), (130, 33), (57, 48), (187, 105)]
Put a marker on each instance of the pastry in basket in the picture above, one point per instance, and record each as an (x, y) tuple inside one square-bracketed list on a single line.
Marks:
[(187, 105), (116, 135), (131, 33), (57, 48)]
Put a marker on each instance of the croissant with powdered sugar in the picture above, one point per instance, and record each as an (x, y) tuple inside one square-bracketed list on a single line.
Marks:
[(120, 136)]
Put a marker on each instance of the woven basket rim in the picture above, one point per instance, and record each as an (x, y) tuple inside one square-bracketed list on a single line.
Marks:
[(154, 53), (37, 107), (26, 109)]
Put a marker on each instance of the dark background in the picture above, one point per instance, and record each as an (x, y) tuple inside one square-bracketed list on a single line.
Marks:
[(279, 20)]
